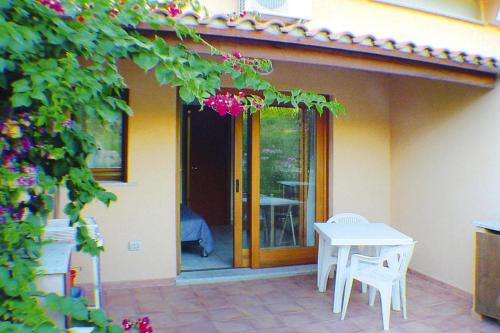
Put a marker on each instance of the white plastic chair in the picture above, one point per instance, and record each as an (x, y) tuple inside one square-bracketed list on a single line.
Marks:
[(371, 270), (331, 260)]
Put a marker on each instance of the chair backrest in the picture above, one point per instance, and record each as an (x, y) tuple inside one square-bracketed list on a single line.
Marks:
[(402, 253), (347, 218)]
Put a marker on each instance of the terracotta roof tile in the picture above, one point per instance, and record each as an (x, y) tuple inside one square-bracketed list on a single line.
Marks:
[(386, 44), (366, 40), (323, 35), (406, 47), (441, 53), (473, 59), (280, 32), (342, 37), (424, 51)]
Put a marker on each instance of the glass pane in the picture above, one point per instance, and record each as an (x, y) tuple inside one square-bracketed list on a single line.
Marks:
[(109, 144), (287, 177)]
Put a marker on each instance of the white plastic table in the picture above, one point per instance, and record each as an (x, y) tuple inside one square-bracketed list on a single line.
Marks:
[(344, 236), (272, 202)]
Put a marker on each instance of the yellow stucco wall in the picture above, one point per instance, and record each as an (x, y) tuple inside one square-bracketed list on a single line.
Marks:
[(145, 209), (367, 17), (414, 153), (146, 206), (445, 171)]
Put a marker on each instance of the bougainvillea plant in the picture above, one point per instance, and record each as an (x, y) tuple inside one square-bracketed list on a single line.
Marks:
[(58, 67), (141, 325)]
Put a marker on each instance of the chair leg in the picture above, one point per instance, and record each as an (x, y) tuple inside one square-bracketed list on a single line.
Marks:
[(385, 302), (402, 291), (371, 296), (323, 279), (291, 226), (282, 231), (347, 295)]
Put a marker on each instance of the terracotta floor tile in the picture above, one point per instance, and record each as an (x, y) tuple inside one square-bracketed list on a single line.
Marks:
[(298, 319), (242, 299), (241, 325), (226, 314), (268, 321), (291, 305), (187, 318), (284, 307)]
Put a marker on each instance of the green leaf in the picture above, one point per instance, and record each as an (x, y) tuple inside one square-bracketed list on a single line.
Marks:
[(115, 329), (145, 61), (19, 100), (47, 328), (186, 94), (164, 74), (4, 276), (269, 97), (98, 317), (6, 65), (106, 197)]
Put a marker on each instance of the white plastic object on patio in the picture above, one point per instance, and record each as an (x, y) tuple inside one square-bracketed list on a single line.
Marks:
[(331, 260), (371, 271), (59, 230)]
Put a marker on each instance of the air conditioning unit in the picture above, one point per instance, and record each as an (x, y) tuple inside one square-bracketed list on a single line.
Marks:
[(289, 9)]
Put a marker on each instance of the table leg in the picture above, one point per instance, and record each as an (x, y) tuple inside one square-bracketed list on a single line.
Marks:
[(340, 277), (321, 246)]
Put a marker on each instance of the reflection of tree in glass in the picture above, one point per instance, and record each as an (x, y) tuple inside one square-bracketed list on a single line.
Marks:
[(280, 131), (108, 139)]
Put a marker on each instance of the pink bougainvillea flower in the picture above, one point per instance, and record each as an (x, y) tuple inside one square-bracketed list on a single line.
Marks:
[(236, 54), (173, 10), (126, 324), (225, 104), (19, 214), (9, 160), (26, 181), (113, 12), (25, 143), (53, 4)]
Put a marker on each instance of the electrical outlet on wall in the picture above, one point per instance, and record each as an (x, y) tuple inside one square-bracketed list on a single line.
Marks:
[(134, 245)]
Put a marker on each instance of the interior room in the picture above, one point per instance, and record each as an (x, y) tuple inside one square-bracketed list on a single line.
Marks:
[(206, 225)]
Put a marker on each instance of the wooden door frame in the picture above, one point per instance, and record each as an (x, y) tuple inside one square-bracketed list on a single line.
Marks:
[(238, 192), (254, 256), (254, 208), (266, 257)]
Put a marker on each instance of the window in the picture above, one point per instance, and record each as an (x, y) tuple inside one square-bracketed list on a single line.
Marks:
[(468, 10), (109, 162)]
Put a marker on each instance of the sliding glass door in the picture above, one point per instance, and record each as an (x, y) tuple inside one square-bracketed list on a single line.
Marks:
[(280, 186)]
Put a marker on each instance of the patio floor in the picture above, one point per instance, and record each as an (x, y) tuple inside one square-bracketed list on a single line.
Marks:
[(291, 305)]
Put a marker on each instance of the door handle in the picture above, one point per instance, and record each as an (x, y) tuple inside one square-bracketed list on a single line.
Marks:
[(237, 185)]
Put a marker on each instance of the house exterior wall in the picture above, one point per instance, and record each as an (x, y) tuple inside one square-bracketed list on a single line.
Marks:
[(445, 171), (368, 17), (443, 139), (146, 204), (414, 153)]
